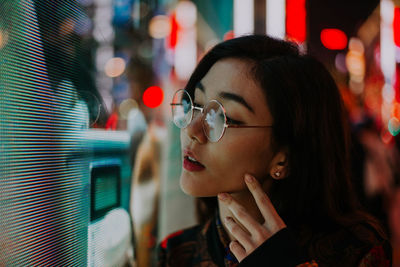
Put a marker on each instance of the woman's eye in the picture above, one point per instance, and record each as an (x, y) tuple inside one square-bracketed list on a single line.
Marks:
[(232, 121)]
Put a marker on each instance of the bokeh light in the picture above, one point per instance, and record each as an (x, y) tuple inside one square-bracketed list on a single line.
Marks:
[(275, 18), (159, 27), (153, 96), (394, 126), (340, 62), (296, 28), (186, 14), (387, 45), (355, 63), (396, 26), (356, 45), (229, 35), (396, 110), (333, 39), (386, 136), (126, 106), (185, 54), (115, 67), (388, 93)]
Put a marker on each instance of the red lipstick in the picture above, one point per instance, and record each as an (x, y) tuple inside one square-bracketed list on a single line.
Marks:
[(191, 165), (190, 162)]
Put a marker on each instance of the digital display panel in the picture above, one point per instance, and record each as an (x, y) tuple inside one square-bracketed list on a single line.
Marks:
[(105, 193)]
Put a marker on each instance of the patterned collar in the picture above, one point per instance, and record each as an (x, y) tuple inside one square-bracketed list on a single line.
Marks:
[(229, 258)]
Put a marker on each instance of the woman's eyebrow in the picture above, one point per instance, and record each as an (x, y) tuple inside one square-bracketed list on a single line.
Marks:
[(228, 96), (236, 98)]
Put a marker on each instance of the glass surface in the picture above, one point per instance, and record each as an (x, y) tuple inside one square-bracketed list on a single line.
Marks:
[(182, 111), (214, 121)]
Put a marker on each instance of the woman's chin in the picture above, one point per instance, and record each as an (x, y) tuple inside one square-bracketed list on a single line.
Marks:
[(193, 189)]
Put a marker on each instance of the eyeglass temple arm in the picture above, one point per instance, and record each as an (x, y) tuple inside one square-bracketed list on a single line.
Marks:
[(247, 126), (198, 108)]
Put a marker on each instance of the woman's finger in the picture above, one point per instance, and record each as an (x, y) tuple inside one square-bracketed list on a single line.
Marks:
[(237, 250), (273, 221), (238, 233), (240, 213)]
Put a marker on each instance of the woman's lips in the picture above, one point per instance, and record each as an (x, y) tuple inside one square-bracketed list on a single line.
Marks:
[(192, 166)]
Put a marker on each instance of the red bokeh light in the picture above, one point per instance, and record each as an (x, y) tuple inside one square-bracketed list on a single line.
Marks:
[(396, 26), (228, 35), (173, 37), (296, 20), (153, 96), (334, 39)]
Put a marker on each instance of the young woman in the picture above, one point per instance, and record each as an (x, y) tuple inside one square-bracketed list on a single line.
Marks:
[(265, 151)]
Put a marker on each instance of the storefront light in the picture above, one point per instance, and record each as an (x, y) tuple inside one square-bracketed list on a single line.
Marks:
[(243, 17), (275, 22)]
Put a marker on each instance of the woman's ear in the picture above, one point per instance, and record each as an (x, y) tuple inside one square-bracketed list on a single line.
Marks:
[(279, 167)]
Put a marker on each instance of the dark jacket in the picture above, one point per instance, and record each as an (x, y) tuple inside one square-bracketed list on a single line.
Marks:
[(207, 245)]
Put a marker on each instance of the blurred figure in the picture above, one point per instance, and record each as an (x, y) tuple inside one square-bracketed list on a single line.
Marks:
[(145, 196), (146, 158)]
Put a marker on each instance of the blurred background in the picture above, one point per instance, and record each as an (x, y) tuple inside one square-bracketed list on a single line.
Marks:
[(89, 158)]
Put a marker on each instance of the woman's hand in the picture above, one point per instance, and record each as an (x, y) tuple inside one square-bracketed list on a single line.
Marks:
[(247, 242)]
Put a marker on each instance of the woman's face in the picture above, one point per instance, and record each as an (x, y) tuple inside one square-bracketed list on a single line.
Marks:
[(240, 150)]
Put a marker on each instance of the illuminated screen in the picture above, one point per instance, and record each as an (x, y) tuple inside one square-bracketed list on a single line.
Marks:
[(105, 190), (49, 100), (44, 196)]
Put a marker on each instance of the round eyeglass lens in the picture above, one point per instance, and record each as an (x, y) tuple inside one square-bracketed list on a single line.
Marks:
[(182, 111), (214, 121)]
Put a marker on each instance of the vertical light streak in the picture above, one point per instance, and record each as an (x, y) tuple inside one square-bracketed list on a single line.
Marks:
[(243, 17), (388, 57), (388, 51), (296, 29), (186, 47), (275, 22)]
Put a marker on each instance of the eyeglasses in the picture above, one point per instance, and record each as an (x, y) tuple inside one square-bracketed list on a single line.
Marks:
[(213, 118)]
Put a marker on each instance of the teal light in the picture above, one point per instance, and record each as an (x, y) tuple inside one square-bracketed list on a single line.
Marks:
[(394, 126)]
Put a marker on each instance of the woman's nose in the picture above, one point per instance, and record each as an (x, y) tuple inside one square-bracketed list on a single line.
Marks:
[(195, 129)]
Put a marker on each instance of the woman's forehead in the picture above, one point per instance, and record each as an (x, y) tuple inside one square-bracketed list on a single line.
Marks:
[(232, 76)]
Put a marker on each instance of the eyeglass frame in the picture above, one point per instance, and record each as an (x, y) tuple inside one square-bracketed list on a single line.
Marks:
[(201, 109)]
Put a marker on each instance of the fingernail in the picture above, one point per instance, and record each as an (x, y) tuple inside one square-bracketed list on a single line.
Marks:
[(249, 178), (233, 244), (223, 196)]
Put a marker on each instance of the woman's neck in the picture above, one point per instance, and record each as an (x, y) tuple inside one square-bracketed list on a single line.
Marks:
[(245, 199)]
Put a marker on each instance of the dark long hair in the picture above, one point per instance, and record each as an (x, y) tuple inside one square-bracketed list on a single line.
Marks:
[(309, 121)]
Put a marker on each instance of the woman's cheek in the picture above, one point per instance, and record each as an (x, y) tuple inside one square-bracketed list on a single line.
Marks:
[(251, 158)]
